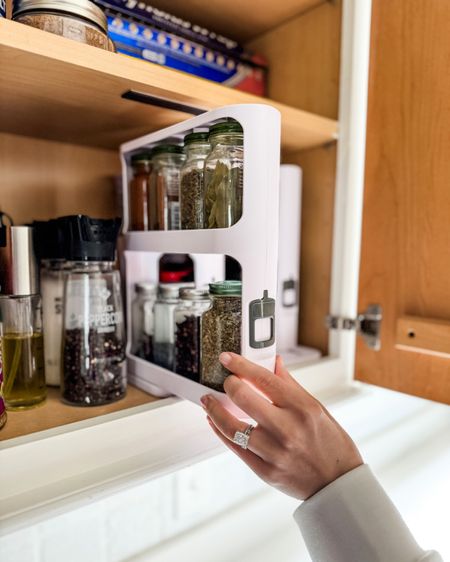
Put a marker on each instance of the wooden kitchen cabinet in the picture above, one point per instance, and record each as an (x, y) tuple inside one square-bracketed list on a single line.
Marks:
[(405, 256), (62, 118)]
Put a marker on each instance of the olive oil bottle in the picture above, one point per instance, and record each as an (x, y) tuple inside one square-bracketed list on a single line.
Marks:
[(21, 339), (23, 366)]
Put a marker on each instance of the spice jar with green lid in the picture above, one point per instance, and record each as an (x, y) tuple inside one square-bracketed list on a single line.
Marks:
[(221, 331), (196, 148), (188, 317), (140, 214), (224, 175), (80, 20), (167, 161)]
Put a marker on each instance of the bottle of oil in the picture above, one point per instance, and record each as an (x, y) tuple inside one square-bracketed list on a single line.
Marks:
[(21, 338)]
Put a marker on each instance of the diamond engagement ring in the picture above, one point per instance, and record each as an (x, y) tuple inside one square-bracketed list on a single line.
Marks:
[(241, 438)]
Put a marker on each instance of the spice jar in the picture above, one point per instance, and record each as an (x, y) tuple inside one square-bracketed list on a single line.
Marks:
[(93, 327), (80, 20), (142, 318), (164, 338), (21, 340), (224, 175), (167, 161), (139, 197), (196, 148), (188, 317), (221, 331)]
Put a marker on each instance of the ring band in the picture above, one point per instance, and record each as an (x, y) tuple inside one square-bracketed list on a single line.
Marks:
[(242, 438)]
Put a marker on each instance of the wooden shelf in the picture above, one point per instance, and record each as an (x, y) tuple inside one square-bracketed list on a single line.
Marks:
[(53, 413), (59, 89)]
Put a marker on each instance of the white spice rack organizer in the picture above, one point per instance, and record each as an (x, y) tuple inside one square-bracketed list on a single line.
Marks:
[(252, 241)]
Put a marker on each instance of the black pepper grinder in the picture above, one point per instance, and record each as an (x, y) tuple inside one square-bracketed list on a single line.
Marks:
[(93, 362)]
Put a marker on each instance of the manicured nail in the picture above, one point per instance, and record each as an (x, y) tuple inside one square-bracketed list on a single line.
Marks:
[(225, 358)]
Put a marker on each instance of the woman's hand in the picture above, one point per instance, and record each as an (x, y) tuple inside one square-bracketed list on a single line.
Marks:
[(297, 446)]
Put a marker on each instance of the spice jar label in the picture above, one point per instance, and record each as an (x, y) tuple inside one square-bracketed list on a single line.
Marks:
[(100, 314)]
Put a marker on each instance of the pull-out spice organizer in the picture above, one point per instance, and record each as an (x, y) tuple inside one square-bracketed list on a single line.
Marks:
[(252, 241)]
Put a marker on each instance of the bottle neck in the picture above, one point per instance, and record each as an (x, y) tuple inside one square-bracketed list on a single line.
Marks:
[(230, 139), (92, 266), (197, 151), (168, 159), (141, 168)]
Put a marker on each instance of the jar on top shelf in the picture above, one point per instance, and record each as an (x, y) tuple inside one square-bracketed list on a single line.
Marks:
[(197, 148), (80, 20), (167, 161), (224, 175), (221, 331)]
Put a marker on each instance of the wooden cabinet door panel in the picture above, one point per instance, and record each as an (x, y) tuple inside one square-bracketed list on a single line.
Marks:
[(405, 258)]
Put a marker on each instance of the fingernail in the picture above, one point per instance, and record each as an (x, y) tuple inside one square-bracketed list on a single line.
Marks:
[(204, 400), (225, 358)]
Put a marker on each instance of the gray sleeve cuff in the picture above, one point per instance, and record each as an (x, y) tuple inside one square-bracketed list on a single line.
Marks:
[(353, 519)]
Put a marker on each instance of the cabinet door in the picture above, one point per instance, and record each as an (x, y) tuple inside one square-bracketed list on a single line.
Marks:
[(405, 260)]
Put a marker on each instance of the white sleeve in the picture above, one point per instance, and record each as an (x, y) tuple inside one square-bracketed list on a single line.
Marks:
[(353, 520)]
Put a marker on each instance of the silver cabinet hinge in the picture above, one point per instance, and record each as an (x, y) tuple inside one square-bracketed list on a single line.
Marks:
[(367, 325)]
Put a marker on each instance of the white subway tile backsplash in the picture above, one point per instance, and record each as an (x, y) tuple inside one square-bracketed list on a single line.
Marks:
[(121, 526), (73, 537), (135, 519), (21, 546)]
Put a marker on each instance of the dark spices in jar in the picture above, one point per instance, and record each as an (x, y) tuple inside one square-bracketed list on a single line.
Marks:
[(188, 320), (93, 369), (221, 331)]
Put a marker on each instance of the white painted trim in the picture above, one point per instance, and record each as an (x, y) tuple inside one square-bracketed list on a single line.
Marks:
[(355, 53)]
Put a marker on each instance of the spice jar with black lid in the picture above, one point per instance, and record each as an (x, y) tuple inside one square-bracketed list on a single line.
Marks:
[(140, 201), (167, 161), (164, 336), (196, 148), (224, 175), (188, 318), (93, 360), (221, 331), (80, 20), (143, 321)]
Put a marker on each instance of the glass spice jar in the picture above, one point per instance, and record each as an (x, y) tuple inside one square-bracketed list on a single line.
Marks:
[(221, 331), (80, 20), (197, 148), (93, 336), (140, 214), (188, 317), (93, 340), (224, 175), (142, 318), (164, 335), (167, 161)]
